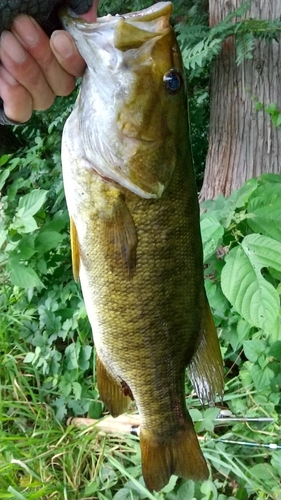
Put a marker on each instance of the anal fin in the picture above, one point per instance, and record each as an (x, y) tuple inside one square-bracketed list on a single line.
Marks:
[(75, 253), (111, 391), (206, 366)]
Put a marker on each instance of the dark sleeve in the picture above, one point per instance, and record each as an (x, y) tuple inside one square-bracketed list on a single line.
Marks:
[(45, 12)]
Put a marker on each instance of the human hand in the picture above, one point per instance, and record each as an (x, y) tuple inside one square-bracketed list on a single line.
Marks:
[(35, 69)]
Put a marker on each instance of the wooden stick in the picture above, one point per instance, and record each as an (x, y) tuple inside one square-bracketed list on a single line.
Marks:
[(125, 424), (130, 424)]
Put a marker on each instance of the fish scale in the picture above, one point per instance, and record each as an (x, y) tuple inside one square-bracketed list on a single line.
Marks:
[(136, 244)]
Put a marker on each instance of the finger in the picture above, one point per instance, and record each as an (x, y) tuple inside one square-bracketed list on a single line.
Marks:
[(66, 53), (17, 100), (25, 70), (64, 48), (36, 42), (91, 15)]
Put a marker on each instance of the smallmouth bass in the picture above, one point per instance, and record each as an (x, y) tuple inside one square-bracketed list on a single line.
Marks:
[(135, 234)]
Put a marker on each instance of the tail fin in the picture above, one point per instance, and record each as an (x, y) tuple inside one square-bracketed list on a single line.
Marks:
[(179, 454)]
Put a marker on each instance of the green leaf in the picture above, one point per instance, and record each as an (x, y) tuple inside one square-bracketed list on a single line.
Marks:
[(253, 349), (24, 224), (262, 377), (209, 489), (3, 160), (65, 387), (46, 240), (72, 354), (24, 277), (29, 357), (262, 251), (30, 203), (212, 233), (264, 215), (84, 357), (244, 286), (275, 350), (262, 471), (274, 178), (186, 491), (4, 176), (77, 390), (95, 409), (241, 196), (123, 494)]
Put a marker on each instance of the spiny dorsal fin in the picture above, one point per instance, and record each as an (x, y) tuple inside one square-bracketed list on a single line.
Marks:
[(74, 250), (206, 366), (111, 391)]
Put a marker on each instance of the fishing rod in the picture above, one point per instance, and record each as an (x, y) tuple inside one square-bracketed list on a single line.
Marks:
[(130, 424), (271, 446)]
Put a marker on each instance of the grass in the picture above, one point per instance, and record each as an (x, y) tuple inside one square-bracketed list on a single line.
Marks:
[(42, 458)]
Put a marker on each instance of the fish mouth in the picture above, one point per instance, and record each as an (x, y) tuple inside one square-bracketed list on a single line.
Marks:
[(152, 13), (145, 15)]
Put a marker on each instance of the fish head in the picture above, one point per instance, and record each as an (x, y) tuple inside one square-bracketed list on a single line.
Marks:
[(132, 98)]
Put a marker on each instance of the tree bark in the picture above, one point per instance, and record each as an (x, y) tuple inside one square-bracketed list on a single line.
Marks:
[(243, 142)]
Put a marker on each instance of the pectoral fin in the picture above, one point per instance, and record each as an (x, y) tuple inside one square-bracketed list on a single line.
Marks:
[(118, 230), (111, 391), (206, 366), (74, 250)]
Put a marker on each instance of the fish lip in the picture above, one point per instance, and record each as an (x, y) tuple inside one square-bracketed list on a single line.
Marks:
[(141, 15), (138, 16)]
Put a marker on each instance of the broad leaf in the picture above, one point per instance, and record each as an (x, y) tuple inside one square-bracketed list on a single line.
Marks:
[(253, 349), (246, 289), (212, 233), (262, 251), (24, 277), (4, 176), (24, 224), (46, 240), (30, 203), (262, 377), (264, 216)]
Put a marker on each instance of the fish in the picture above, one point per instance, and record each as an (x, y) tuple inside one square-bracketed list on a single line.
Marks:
[(135, 235)]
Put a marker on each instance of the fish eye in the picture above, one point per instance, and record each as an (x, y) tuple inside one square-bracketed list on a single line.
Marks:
[(173, 81)]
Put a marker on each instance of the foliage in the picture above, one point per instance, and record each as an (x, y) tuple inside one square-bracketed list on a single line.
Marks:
[(242, 249), (35, 262), (47, 361), (201, 44), (271, 109), (47, 369)]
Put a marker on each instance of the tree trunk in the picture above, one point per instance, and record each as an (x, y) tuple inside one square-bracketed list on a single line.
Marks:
[(243, 142)]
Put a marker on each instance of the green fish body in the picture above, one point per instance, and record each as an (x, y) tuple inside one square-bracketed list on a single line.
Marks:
[(136, 243)]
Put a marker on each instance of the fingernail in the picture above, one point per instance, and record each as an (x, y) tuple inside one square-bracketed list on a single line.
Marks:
[(62, 44), (26, 29), (12, 47)]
